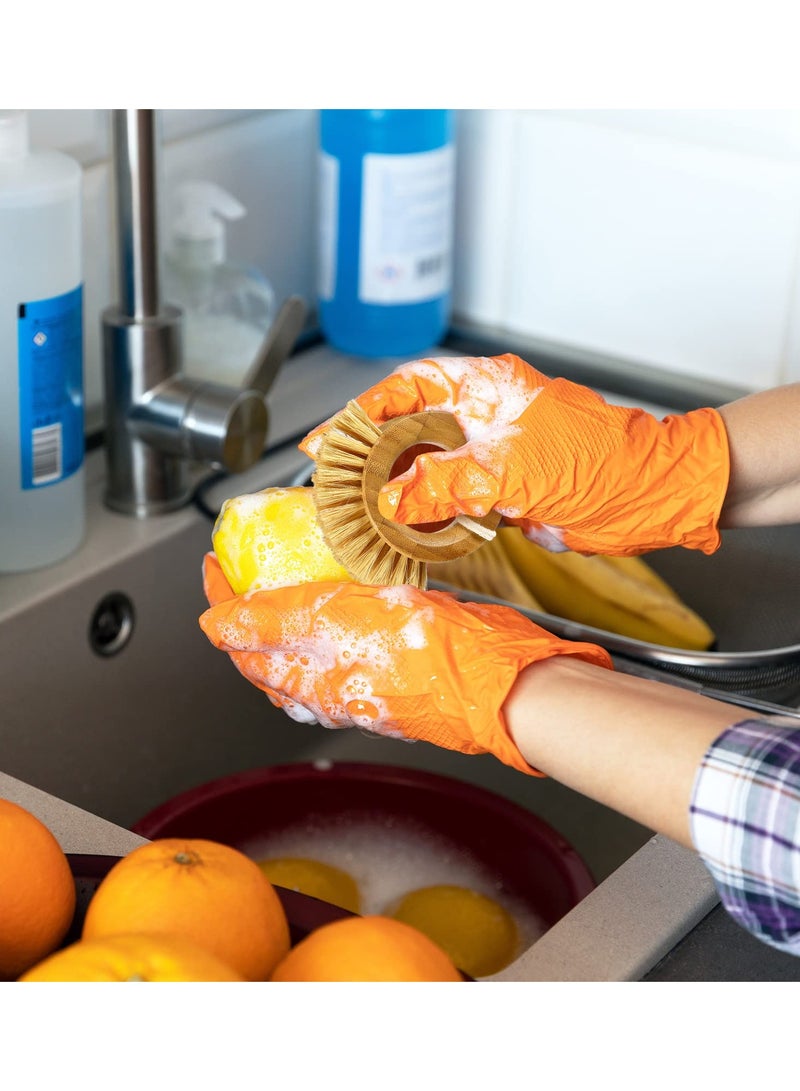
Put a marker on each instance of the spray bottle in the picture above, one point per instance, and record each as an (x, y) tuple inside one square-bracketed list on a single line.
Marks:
[(387, 204), (227, 308)]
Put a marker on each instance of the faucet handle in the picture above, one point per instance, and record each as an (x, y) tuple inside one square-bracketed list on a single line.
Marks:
[(229, 427), (277, 345), (203, 421)]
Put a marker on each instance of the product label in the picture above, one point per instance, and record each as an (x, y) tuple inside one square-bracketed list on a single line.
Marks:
[(50, 353), (328, 197), (406, 226)]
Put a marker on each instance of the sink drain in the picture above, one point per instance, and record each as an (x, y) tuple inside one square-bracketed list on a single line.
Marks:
[(112, 624)]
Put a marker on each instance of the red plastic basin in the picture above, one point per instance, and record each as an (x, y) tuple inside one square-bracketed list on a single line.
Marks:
[(529, 860)]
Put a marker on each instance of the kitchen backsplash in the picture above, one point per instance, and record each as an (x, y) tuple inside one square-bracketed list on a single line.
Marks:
[(664, 237), (668, 238)]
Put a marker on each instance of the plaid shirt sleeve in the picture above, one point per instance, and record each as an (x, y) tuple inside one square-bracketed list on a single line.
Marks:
[(745, 824)]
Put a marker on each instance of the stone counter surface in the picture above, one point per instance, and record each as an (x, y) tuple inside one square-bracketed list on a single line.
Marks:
[(76, 830)]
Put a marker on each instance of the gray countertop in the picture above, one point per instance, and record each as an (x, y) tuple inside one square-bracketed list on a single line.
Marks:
[(75, 829)]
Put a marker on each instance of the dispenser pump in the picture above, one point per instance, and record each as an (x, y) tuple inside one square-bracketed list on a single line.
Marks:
[(198, 228), (227, 307)]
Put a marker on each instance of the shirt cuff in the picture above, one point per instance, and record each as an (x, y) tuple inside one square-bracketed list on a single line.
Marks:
[(745, 824)]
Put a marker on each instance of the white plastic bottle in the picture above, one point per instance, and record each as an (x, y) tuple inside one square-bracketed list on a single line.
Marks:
[(227, 308), (42, 487)]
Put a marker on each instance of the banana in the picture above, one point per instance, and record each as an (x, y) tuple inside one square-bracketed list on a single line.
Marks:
[(622, 595), (488, 570), (638, 567)]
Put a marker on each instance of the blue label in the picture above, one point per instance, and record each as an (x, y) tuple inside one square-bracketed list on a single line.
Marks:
[(50, 349)]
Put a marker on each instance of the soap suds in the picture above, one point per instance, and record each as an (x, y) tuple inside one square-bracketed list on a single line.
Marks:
[(389, 856)]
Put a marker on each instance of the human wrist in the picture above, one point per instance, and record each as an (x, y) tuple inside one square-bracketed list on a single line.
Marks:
[(629, 743), (530, 708)]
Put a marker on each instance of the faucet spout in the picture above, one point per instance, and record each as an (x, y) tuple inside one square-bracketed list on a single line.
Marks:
[(158, 421), (135, 176)]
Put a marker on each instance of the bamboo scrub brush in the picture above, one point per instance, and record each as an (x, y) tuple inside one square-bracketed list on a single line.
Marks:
[(356, 458)]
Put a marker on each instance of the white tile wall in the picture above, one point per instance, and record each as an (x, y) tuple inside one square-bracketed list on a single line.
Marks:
[(669, 238)]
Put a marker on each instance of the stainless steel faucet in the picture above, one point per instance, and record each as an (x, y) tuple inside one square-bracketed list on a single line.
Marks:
[(159, 421)]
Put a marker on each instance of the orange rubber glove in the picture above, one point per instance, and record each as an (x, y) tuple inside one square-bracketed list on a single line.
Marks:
[(397, 661), (554, 458)]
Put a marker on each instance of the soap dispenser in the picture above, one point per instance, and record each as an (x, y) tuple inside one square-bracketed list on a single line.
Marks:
[(227, 308)]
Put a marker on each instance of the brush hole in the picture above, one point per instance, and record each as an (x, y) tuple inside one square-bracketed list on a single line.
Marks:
[(404, 462)]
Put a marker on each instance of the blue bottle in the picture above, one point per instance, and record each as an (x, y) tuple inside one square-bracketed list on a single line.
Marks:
[(387, 188)]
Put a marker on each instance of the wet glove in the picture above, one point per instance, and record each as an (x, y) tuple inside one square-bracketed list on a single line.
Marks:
[(396, 661), (554, 458)]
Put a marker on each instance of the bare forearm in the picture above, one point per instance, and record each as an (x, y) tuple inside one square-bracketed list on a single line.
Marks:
[(764, 486), (626, 742)]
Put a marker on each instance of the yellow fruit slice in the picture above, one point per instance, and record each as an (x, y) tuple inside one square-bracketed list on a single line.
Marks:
[(271, 539), (315, 878), (478, 933)]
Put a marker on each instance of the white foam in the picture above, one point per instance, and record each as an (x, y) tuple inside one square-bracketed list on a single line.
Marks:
[(388, 857), (488, 392)]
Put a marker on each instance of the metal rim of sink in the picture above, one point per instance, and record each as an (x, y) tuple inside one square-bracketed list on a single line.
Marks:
[(742, 673)]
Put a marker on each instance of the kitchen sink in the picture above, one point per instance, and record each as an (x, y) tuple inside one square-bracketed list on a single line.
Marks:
[(114, 700)]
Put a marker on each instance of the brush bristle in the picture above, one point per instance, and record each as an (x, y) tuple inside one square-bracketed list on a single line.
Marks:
[(345, 525), (353, 421)]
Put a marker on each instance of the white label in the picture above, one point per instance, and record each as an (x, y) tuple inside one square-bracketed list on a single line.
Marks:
[(50, 362), (328, 196), (406, 226), (46, 454)]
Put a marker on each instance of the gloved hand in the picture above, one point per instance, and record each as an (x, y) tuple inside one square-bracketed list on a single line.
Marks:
[(397, 661), (554, 458)]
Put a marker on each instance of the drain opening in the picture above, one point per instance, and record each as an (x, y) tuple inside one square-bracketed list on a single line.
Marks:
[(111, 626)]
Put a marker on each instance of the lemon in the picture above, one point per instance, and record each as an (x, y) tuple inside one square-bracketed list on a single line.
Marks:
[(478, 933), (270, 539), (315, 878)]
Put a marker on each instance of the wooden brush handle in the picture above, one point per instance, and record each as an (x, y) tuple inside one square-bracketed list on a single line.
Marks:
[(393, 453)]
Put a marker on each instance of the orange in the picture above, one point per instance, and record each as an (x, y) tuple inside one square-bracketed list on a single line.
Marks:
[(205, 891), (478, 933), (372, 948), (315, 878), (37, 890), (271, 539), (132, 958)]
